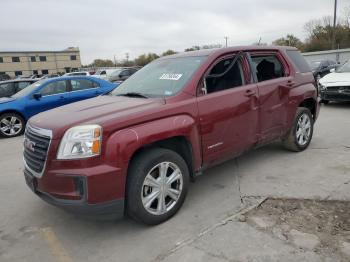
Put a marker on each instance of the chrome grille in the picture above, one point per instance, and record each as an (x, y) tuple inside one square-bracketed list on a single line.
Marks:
[(337, 88), (36, 146)]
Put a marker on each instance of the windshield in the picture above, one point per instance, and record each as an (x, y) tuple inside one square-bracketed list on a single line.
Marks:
[(344, 68), (116, 73), (27, 90), (100, 72), (165, 77), (315, 64)]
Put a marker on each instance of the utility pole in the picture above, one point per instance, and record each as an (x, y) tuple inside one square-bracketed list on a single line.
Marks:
[(115, 61), (334, 24), (259, 41), (226, 40)]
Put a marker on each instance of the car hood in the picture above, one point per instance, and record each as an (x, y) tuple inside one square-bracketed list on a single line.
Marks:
[(336, 79), (111, 112), (6, 100)]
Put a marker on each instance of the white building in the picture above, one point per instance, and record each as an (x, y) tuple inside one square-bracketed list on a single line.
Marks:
[(17, 63)]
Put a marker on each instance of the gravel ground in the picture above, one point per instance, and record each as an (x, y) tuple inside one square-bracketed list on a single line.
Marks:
[(321, 226)]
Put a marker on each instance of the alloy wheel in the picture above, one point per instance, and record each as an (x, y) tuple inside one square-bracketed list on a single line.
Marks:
[(11, 125), (303, 130), (162, 188)]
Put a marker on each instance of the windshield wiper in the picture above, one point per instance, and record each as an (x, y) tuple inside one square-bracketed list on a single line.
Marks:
[(133, 94)]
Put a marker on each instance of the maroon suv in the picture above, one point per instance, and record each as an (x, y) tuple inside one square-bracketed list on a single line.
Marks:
[(135, 149)]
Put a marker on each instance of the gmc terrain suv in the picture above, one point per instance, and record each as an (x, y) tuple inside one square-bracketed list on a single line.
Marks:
[(135, 149)]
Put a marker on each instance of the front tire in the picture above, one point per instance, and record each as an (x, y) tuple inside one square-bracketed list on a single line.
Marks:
[(157, 185), (11, 125), (300, 135)]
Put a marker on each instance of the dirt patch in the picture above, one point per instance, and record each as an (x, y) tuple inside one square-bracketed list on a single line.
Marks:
[(321, 226)]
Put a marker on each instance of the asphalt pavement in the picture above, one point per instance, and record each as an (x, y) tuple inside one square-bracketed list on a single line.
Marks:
[(207, 228)]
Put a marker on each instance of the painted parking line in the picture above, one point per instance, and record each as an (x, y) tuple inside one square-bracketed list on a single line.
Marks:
[(55, 245)]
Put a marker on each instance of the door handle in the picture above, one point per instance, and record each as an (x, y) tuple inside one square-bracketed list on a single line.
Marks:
[(250, 92)]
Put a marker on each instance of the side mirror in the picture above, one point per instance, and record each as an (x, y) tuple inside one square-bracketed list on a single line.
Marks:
[(332, 70), (37, 96)]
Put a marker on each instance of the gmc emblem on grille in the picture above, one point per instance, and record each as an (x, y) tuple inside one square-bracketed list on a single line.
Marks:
[(29, 144)]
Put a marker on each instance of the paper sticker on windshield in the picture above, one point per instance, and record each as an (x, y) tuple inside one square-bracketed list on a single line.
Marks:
[(171, 77)]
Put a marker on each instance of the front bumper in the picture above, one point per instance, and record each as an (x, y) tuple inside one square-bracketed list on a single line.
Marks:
[(335, 95), (111, 209)]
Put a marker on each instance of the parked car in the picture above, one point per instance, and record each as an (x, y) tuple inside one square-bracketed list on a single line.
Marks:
[(121, 74), (49, 76), (44, 95), (11, 87), (4, 77), (137, 148), (336, 86), (81, 73), (104, 73), (35, 76), (322, 67)]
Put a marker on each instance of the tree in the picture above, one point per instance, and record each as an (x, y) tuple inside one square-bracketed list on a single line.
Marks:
[(193, 48), (125, 63), (144, 59), (260, 43), (197, 47), (211, 46), (289, 40), (169, 52), (320, 33), (102, 63)]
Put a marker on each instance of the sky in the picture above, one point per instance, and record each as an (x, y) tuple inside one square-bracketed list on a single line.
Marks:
[(108, 28)]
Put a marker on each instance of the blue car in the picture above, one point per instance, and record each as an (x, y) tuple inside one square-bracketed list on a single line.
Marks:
[(45, 95)]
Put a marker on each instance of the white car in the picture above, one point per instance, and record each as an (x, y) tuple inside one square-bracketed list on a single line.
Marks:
[(336, 86), (105, 73), (82, 73)]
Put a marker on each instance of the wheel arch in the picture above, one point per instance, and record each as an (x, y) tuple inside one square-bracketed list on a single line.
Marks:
[(179, 144), (309, 103), (14, 112)]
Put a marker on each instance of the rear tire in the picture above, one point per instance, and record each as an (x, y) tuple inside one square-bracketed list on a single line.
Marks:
[(11, 125), (300, 135), (326, 102), (157, 185)]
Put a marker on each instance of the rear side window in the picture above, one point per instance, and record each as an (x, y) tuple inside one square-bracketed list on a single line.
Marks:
[(21, 85), (125, 73), (267, 67), (299, 61), (82, 84), (6, 89)]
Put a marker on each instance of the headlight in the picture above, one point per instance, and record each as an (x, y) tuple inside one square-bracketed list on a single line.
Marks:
[(81, 142)]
